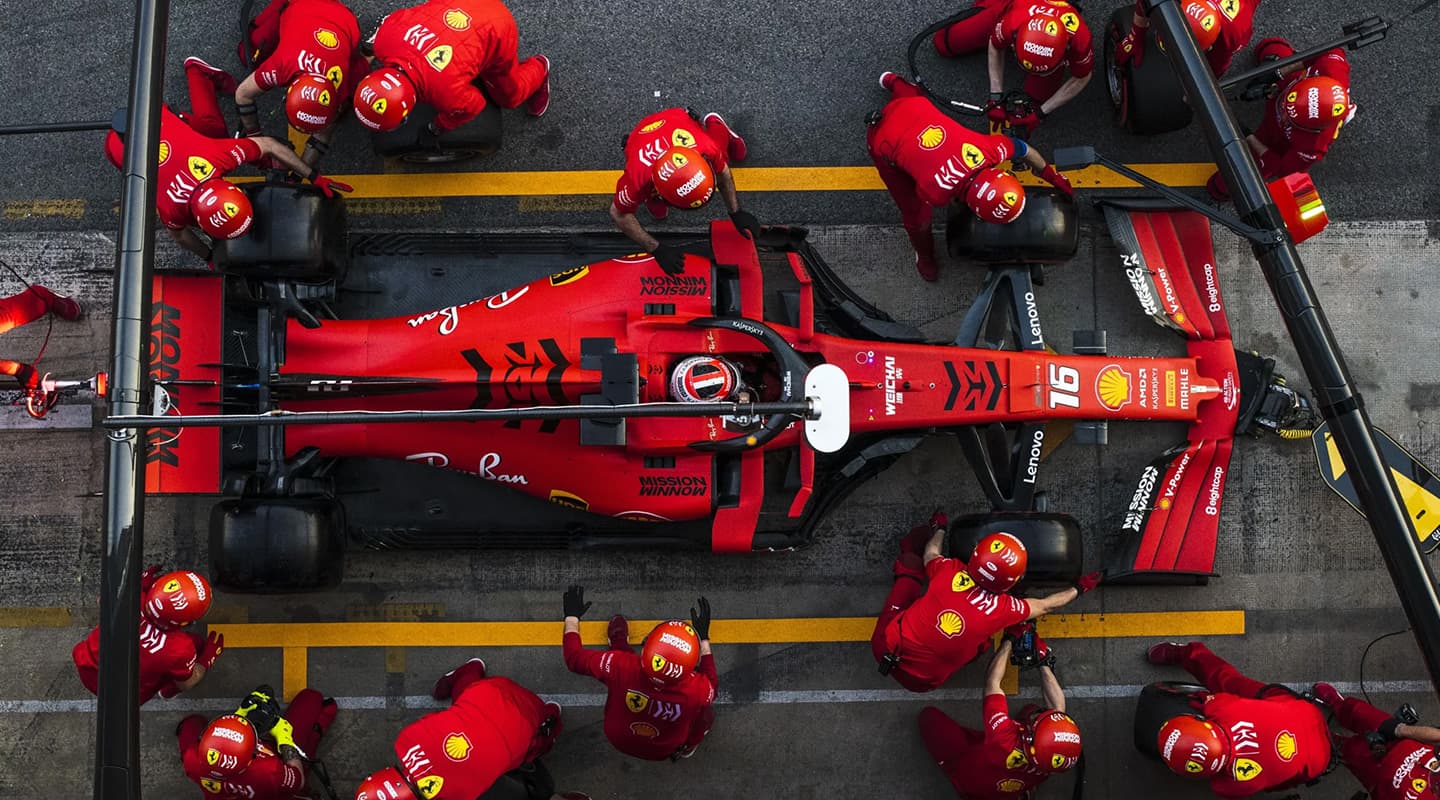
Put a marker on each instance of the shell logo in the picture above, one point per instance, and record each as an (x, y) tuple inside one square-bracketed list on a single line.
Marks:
[(950, 623), (1112, 387), (327, 38), (1011, 785), (457, 747), (932, 137), (1285, 745), (457, 20), (962, 582), (1015, 760), (164, 151), (1247, 769), (654, 126), (644, 729), (1164, 504)]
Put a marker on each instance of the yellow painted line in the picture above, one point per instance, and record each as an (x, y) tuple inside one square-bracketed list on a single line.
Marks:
[(294, 670), (562, 203), (1010, 681), (234, 615), (27, 209), (394, 612), (38, 617), (396, 206), (298, 140)]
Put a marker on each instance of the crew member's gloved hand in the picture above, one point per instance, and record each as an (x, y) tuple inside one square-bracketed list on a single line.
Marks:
[(1131, 49), (575, 605), (1013, 632), (214, 643), (260, 709), (995, 111), (1044, 656), (1057, 180), (329, 186), (28, 377), (670, 258), (1089, 581), (147, 578), (746, 223), (700, 620), (284, 735), (1029, 121), (938, 521)]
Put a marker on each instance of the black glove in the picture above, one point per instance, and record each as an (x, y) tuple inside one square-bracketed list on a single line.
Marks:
[(746, 223), (670, 258), (575, 605), (700, 620)]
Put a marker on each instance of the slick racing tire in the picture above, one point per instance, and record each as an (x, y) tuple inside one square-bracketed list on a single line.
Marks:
[(1159, 702), (1147, 99), (298, 234), (1045, 233), (271, 546), (1052, 542), (475, 139)]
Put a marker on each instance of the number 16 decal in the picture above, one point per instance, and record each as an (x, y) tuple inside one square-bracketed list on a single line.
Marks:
[(1064, 386)]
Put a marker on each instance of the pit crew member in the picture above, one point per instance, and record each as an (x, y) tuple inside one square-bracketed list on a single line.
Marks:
[(1303, 115), (24, 308), (928, 159), (256, 753), (1050, 41), (491, 736), (941, 612), (196, 153), (1221, 28), (1392, 756), (660, 703), (441, 52), (311, 48), (1245, 738), (172, 660), (672, 160), (1011, 756)]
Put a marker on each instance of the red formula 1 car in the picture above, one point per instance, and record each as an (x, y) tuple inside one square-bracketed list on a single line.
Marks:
[(427, 322)]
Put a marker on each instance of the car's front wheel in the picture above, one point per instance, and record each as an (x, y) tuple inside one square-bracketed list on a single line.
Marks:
[(1158, 703), (1053, 544)]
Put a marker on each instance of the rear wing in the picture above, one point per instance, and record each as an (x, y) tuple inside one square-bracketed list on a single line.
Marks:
[(185, 352)]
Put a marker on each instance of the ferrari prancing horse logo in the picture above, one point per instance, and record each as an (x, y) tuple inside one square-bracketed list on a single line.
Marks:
[(440, 57), (636, 701)]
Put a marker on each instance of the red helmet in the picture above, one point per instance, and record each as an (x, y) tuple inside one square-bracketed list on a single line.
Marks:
[(1192, 746), (1054, 742), (384, 99), (683, 178), (387, 784), (221, 209), (1315, 103), (177, 599), (1204, 19), (704, 379), (1040, 45), (998, 562), (671, 652), (228, 745), (995, 195), (311, 103)]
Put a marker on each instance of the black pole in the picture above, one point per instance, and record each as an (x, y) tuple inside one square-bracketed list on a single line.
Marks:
[(53, 127), (117, 730), (1335, 395)]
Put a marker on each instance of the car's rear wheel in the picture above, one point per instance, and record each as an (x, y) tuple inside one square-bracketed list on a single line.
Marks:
[(298, 234), (1147, 99), (275, 545), (1045, 233), (1053, 543), (479, 137), (1159, 702)]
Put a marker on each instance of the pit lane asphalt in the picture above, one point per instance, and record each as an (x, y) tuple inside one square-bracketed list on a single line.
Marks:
[(1292, 555)]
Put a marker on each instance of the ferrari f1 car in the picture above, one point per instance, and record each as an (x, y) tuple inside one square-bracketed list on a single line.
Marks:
[(385, 328)]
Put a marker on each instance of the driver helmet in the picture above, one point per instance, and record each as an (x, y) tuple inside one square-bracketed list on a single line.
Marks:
[(995, 195), (1192, 746), (998, 562), (1316, 103), (221, 209), (1040, 45), (704, 379), (1054, 742), (384, 99), (683, 178), (671, 651), (385, 784), (177, 599), (228, 745), (311, 103)]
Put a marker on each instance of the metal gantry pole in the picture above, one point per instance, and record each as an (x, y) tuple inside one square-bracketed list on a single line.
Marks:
[(1335, 394), (117, 730)]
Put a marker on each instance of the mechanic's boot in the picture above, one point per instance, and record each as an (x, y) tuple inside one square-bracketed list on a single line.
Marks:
[(1273, 48), (619, 633), (927, 268), (658, 208), (224, 83), (1327, 694), (539, 102), (66, 308), (736, 150), (446, 683), (887, 80), (923, 240), (1167, 653)]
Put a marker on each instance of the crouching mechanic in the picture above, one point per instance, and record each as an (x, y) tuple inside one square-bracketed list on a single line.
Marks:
[(1245, 738), (673, 160), (928, 159), (311, 48), (1392, 756), (1050, 40), (1303, 115), (196, 153), (941, 612), (1221, 29), (659, 704), (172, 660), (436, 52), (256, 753), (485, 745), (1012, 756)]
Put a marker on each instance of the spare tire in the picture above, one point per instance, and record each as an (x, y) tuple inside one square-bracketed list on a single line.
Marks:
[(271, 545), (1053, 543), (1147, 99), (1045, 233), (477, 138), (1159, 702), (298, 234)]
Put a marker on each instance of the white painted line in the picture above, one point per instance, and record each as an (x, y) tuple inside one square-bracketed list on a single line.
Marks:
[(766, 697)]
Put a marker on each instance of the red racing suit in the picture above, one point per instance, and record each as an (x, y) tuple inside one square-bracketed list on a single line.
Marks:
[(295, 37), (996, 23), (1237, 25), (1292, 149), (268, 777), (166, 658), (1400, 773), (982, 765), (444, 46), (938, 630), (23, 309), (652, 136), (1277, 740), (492, 726), (643, 719)]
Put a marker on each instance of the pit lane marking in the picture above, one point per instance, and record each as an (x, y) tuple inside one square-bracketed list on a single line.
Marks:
[(29, 209), (36, 617)]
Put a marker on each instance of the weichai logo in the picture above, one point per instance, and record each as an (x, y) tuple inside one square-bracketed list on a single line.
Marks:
[(164, 369)]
